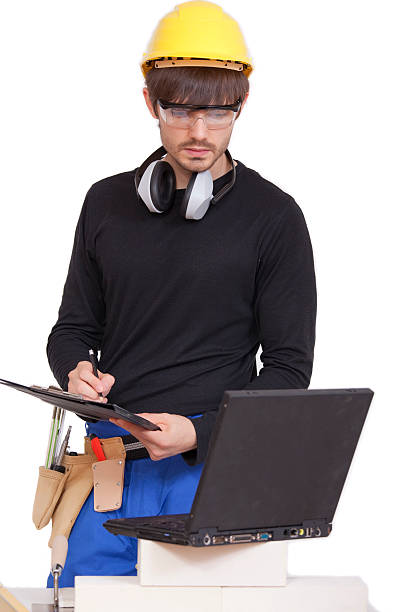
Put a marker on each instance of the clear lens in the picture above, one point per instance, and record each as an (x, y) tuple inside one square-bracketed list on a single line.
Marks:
[(214, 118), (218, 117), (175, 114)]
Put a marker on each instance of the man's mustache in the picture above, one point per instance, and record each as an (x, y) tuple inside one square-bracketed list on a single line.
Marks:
[(196, 145)]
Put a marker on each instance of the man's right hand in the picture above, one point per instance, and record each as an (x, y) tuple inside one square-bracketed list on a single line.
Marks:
[(82, 381)]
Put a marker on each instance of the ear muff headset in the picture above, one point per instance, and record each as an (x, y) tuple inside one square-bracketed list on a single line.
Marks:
[(155, 183)]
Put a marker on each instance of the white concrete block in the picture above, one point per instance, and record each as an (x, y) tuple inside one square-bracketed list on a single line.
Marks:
[(124, 593), (301, 594), (261, 564), (305, 594)]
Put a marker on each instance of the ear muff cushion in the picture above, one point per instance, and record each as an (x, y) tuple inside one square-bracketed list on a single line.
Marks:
[(198, 196), (162, 186), (187, 193)]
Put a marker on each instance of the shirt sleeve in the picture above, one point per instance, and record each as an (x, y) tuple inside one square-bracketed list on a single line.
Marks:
[(81, 315), (284, 311), (285, 304), (203, 427)]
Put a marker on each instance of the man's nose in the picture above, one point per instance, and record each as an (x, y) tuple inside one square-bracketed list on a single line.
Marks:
[(199, 129)]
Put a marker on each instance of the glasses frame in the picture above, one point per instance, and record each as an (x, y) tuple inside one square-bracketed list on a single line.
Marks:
[(235, 107)]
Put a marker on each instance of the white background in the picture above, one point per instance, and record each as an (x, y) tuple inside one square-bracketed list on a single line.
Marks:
[(326, 121)]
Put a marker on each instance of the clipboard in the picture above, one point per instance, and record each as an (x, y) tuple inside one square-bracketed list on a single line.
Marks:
[(85, 408)]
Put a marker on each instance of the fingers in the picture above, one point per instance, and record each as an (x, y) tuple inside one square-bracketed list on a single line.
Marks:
[(83, 381), (103, 384), (102, 400), (107, 381), (86, 390), (142, 434), (135, 430), (87, 376), (176, 436), (156, 418)]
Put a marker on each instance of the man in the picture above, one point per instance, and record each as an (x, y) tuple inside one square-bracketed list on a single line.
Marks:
[(179, 307)]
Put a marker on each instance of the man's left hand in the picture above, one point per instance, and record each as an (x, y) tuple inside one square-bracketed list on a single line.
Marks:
[(177, 436)]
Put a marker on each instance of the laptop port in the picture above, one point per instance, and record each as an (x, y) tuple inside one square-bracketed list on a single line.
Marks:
[(294, 533), (308, 532), (218, 540), (206, 540), (241, 538), (262, 537), (317, 532)]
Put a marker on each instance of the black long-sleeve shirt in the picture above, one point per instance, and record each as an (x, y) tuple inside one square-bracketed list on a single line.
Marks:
[(179, 308)]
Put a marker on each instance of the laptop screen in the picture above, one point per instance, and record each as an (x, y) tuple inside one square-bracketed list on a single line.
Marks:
[(278, 457)]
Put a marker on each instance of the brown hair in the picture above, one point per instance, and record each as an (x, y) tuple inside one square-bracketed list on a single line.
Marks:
[(196, 85)]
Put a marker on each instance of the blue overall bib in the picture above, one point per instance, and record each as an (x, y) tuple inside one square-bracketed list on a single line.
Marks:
[(150, 488)]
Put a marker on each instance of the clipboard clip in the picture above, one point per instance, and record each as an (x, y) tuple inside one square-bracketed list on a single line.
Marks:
[(54, 389)]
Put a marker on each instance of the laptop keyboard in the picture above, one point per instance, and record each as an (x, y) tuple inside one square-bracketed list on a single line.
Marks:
[(175, 522)]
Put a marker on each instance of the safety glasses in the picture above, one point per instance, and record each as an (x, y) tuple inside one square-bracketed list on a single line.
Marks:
[(182, 116)]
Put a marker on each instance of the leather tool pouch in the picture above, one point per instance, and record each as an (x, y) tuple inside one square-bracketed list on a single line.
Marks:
[(49, 488), (61, 496)]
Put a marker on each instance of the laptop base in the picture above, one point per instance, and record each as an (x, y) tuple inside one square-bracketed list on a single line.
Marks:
[(173, 529)]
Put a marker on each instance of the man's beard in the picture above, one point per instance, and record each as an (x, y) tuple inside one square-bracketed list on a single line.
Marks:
[(197, 164)]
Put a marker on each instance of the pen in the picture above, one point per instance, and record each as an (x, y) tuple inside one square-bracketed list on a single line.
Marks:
[(59, 429), (51, 439), (58, 462), (94, 361), (55, 432)]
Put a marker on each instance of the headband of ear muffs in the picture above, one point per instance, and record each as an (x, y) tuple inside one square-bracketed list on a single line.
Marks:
[(155, 183)]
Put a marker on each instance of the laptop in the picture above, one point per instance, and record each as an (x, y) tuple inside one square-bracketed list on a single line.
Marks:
[(275, 469)]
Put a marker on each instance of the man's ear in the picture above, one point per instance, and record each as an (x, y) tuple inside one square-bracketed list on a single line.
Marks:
[(148, 103)]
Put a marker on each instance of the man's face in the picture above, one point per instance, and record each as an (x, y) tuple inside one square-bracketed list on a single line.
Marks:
[(180, 143)]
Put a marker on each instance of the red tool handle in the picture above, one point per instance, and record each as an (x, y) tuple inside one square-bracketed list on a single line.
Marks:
[(97, 448)]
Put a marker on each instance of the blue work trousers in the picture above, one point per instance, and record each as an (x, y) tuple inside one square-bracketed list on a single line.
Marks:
[(150, 488)]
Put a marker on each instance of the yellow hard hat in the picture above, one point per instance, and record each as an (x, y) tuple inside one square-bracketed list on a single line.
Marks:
[(197, 33)]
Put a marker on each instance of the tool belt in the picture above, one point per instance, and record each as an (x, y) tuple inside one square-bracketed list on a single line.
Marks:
[(60, 496)]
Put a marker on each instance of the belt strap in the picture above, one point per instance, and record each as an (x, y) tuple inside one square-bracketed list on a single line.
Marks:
[(134, 448)]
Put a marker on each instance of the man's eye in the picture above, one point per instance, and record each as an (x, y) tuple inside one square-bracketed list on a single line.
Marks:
[(178, 114), (218, 113)]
